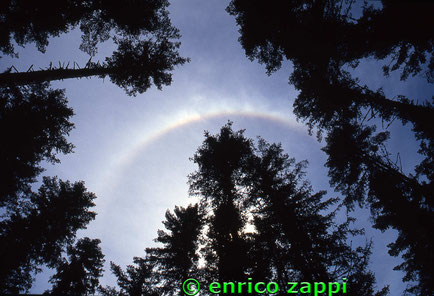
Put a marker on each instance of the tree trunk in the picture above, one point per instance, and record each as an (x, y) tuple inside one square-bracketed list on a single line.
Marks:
[(50, 75)]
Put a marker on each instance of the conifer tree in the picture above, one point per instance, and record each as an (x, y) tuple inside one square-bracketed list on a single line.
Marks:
[(222, 161), (360, 168), (34, 22), (178, 259), (80, 273), (137, 280), (292, 241), (295, 237), (34, 123), (147, 50), (299, 241), (38, 231), (324, 42), (163, 269)]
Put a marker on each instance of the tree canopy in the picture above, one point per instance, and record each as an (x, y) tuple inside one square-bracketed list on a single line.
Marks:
[(163, 269), (147, 48), (37, 231), (257, 216), (34, 124), (80, 273), (178, 259), (37, 227), (34, 22), (325, 42), (241, 184)]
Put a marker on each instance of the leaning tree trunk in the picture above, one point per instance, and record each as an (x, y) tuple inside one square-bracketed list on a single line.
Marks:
[(21, 78)]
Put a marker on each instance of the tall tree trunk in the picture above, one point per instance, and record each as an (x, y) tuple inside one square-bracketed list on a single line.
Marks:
[(51, 75)]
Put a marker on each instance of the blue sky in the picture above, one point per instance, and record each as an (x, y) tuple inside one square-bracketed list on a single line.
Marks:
[(133, 152)]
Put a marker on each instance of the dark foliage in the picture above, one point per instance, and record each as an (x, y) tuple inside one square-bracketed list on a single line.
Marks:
[(35, 228), (240, 185), (138, 64), (34, 123), (292, 240), (178, 259), (138, 280), (222, 162), (27, 21), (359, 169), (163, 269), (147, 51), (38, 230), (311, 32), (80, 273), (324, 42)]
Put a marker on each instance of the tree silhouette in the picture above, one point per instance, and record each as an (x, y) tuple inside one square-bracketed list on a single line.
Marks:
[(80, 274), (299, 29), (163, 269), (222, 162), (323, 41), (241, 184), (34, 123), (141, 29), (298, 241), (138, 279), (28, 21), (178, 259), (357, 168), (328, 93), (35, 228), (38, 230), (292, 240), (288, 217)]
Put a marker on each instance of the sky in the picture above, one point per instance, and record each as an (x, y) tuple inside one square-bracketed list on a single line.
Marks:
[(133, 152)]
